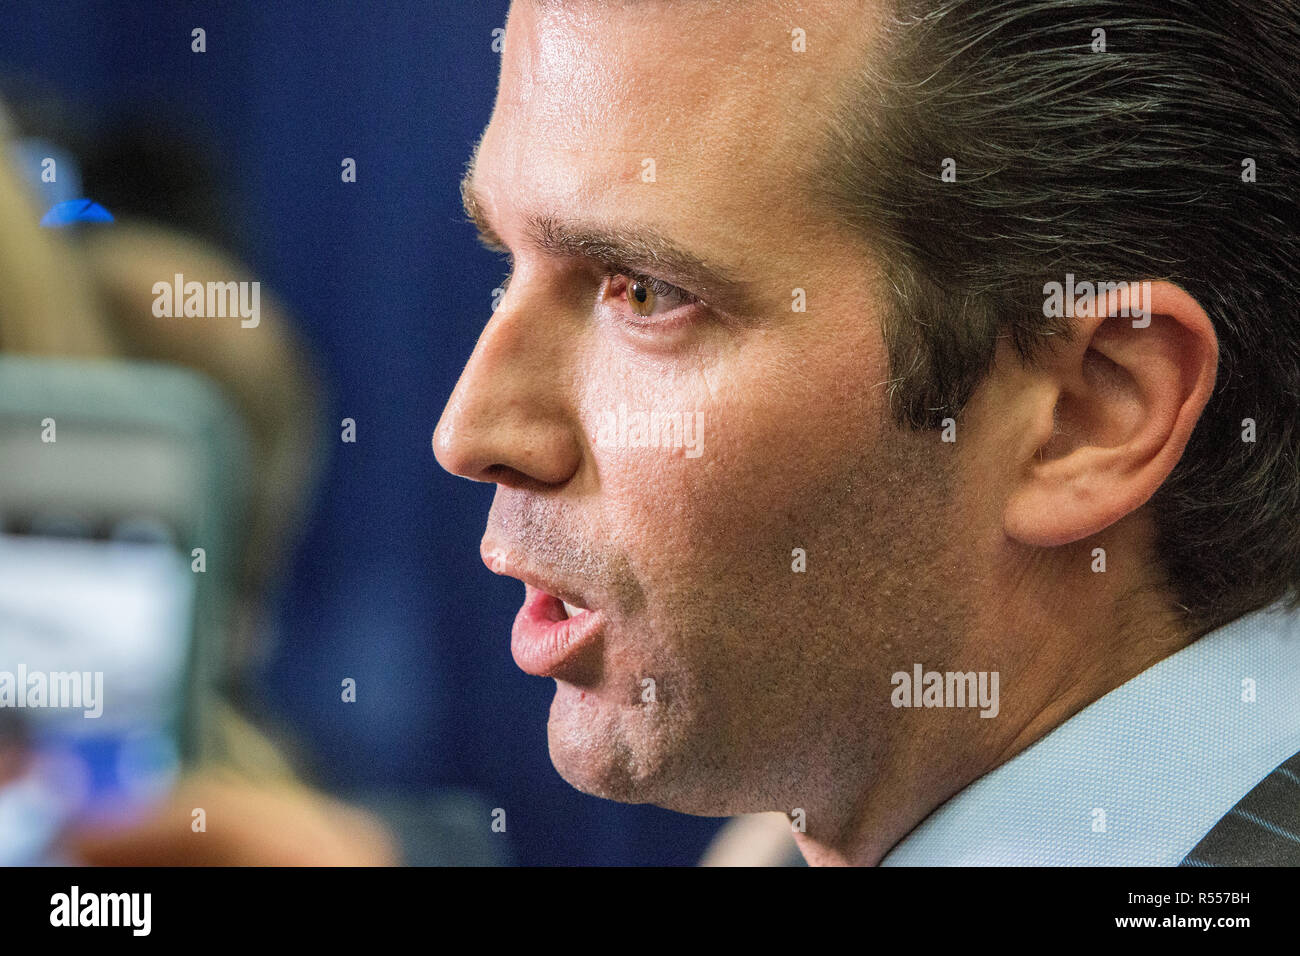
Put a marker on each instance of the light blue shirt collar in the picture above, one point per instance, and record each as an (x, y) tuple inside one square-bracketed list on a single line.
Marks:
[(1139, 776)]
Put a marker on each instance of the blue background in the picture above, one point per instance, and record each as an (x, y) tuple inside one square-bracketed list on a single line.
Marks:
[(391, 291)]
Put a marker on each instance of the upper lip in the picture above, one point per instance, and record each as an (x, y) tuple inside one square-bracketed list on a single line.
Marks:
[(502, 561)]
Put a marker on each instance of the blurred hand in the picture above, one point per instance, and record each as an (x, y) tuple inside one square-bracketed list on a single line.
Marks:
[(246, 825)]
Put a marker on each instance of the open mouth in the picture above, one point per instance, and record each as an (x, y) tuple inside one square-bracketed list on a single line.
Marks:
[(555, 609), (572, 610), (549, 632)]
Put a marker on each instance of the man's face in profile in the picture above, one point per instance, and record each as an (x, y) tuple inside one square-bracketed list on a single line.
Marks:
[(700, 683)]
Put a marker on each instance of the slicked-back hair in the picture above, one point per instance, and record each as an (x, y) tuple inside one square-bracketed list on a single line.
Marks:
[(1121, 165)]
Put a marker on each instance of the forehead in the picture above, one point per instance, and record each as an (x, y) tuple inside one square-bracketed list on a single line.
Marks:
[(665, 106)]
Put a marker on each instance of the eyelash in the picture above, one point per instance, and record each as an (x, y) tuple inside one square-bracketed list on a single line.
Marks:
[(658, 286)]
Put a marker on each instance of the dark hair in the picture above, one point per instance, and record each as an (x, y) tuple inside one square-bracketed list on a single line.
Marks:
[(1119, 165)]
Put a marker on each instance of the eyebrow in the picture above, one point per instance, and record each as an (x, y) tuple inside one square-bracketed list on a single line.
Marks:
[(625, 250)]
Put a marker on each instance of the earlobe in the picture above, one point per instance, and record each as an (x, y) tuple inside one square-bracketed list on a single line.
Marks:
[(1125, 396)]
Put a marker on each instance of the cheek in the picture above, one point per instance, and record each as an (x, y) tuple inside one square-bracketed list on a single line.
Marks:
[(777, 428)]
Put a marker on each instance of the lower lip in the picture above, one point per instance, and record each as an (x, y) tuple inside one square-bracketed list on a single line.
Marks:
[(543, 639)]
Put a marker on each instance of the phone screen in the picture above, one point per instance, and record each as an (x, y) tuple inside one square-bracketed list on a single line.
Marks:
[(94, 637)]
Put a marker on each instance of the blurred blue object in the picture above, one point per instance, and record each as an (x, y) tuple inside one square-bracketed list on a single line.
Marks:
[(76, 210)]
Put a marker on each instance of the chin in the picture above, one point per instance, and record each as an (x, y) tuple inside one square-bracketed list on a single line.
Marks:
[(592, 748), (598, 779), (627, 753)]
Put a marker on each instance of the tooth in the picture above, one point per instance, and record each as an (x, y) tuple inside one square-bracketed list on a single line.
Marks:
[(571, 610)]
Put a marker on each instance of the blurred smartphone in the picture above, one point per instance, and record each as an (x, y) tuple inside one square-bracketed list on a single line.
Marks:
[(121, 486)]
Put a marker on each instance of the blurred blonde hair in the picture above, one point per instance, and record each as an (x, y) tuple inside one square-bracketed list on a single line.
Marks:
[(92, 298)]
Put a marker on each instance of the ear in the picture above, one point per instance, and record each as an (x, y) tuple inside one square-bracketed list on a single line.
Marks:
[(1111, 412)]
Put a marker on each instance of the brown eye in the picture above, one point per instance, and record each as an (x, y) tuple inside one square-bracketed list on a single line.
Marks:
[(647, 297), (641, 298)]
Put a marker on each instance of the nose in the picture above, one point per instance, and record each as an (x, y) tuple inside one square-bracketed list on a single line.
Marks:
[(508, 420)]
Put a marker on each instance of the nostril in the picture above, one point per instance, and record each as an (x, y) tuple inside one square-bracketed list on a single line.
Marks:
[(514, 435), (512, 478)]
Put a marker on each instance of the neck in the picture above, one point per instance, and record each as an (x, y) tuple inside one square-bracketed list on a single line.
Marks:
[(1054, 656)]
